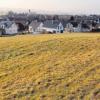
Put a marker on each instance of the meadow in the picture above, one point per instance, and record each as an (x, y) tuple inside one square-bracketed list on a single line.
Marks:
[(50, 67)]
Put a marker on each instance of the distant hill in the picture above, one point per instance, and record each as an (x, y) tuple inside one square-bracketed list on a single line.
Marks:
[(50, 67)]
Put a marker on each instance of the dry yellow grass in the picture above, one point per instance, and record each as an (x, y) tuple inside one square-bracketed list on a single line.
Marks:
[(50, 67)]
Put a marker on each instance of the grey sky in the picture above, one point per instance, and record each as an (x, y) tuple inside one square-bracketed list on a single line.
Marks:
[(70, 6)]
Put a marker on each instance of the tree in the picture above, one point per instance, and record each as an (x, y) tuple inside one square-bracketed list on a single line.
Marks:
[(55, 17), (72, 18)]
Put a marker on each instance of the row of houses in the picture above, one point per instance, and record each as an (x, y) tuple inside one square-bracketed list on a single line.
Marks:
[(47, 26), (12, 27), (50, 26)]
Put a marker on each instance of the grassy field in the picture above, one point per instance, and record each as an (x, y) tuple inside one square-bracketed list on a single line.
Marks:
[(50, 67)]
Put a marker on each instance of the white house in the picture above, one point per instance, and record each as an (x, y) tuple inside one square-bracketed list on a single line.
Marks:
[(53, 26), (9, 27), (35, 27)]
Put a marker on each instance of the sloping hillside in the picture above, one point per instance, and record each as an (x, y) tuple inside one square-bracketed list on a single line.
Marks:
[(50, 67)]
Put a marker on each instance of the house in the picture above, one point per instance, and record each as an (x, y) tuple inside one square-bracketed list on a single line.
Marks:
[(77, 27), (9, 27), (52, 26), (73, 27), (35, 27)]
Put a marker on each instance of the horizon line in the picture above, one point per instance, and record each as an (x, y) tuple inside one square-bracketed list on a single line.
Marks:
[(37, 11)]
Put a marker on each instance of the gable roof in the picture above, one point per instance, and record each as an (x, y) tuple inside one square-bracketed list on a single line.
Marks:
[(35, 24), (7, 24), (51, 24)]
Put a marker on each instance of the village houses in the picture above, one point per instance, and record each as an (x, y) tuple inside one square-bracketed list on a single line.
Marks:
[(19, 25)]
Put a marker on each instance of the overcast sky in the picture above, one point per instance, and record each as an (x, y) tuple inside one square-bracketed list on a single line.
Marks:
[(66, 6)]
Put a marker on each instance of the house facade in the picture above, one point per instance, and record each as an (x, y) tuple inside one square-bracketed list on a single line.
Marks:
[(9, 27), (36, 27)]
